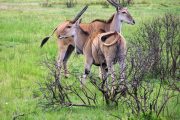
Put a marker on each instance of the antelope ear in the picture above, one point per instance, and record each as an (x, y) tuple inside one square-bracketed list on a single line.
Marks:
[(78, 22)]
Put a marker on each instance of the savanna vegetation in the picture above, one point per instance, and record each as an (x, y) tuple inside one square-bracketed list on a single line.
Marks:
[(24, 75)]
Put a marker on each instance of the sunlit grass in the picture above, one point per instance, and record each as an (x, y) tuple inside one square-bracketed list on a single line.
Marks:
[(22, 29)]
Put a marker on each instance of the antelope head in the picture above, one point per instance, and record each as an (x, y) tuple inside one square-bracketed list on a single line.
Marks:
[(66, 27), (80, 36), (72, 31), (122, 13)]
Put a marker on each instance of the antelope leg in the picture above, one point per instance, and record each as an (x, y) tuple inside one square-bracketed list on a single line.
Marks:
[(88, 65), (65, 59), (121, 61), (60, 59), (104, 75)]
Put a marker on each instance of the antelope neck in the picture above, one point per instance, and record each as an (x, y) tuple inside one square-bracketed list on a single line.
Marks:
[(116, 24), (80, 39)]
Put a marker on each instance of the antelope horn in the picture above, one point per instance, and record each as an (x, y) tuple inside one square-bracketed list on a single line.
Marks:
[(79, 14), (119, 5), (115, 4), (112, 3)]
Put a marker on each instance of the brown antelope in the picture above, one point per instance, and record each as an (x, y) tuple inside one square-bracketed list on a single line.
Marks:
[(100, 49), (66, 46)]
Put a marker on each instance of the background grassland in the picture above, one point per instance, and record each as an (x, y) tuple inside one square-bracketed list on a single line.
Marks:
[(22, 27)]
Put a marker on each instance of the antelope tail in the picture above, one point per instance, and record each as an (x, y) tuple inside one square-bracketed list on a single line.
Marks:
[(104, 36), (113, 42), (47, 38)]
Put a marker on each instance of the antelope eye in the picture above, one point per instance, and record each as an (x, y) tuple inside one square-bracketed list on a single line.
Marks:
[(68, 26)]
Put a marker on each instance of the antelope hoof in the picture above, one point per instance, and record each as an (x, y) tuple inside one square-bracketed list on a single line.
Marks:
[(66, 74)]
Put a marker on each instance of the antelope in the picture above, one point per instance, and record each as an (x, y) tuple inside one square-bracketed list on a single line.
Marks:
[(100, 49), (66, 45)]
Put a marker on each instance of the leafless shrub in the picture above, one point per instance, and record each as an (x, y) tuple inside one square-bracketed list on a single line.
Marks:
[(111, 92), (146, 95), (57, 93), (153, 73), (161, 36)]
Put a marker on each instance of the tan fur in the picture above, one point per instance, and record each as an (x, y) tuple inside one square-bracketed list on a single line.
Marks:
[(98, 51), (92, 28), (108, 44), (110, 54), (64, 44), (107, 50)]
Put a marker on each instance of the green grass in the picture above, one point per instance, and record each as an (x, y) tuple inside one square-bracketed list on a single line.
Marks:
[(22, 29)]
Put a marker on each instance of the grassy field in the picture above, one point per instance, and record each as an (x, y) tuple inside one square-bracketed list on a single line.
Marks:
[(23, 26)]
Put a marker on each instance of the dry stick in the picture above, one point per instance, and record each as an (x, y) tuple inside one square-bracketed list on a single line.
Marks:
[(42, 91), (156, 100), (144, 96), (60, 88), (94, 96), (76, 93), (163, 105), (50, 88), (85, 93), (82, 105), (19, 115), (15, 117), (137, 101), (88, 88), (62, 94), (99, 88), (115, 116)]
